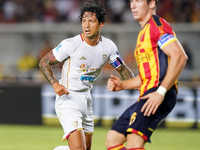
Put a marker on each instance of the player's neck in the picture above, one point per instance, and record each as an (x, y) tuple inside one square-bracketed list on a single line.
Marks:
[(92, 41), (147, 18)]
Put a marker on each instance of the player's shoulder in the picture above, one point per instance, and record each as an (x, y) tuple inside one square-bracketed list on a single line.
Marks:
[(73, 40), (158, 21), (107, 41)]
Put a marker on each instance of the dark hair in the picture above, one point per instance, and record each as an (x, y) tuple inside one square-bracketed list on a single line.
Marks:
[(148, 1), (94, 6)]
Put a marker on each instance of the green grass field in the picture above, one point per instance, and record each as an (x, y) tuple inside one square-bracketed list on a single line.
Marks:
[(28, 137)]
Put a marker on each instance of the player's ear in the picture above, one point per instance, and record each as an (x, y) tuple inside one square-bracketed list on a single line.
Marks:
[(101, 24), (152, 4)]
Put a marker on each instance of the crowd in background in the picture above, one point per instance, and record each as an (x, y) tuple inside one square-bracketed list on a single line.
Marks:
[(60, 11), (118, 11)]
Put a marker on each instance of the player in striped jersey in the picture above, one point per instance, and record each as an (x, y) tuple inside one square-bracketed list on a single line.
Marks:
[(83, 57), (160, 59)]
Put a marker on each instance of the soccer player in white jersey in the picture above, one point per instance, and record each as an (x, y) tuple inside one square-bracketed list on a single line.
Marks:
[(83, 57)]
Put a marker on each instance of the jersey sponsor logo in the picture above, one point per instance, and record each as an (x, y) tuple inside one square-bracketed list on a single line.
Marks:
[(86, 68), (104, 57), (58, 47), (142, 57), (82, 58), (133, 118), (87, 78)]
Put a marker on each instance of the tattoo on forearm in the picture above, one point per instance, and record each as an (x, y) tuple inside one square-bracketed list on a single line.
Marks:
[(45, 66), (125, 72)]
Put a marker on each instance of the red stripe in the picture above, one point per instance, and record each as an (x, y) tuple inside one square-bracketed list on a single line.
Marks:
[(143, 136), (115, 147), (147, 70), (81, 37), (142, 50), (155, 51), (136, 149), (69, 133), (142, 39), (147, 74)]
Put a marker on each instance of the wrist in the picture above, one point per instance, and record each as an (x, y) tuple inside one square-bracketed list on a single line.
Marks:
[(161, 90)]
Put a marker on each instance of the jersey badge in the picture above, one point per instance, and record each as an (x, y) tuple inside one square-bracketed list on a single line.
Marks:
[(161, 30), (59, 46), (75, 124), (104, 57)]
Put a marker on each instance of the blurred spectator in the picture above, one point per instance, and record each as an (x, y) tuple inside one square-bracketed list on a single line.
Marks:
[(196, 12), (50, 12), (127, 16), (165, 9), (27, 62), (74, 12), (45, 49), (183, 10), (9, 11), (16, 11), (116, 7)]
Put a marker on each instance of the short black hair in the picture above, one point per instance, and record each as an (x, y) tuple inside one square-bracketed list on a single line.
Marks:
[(148, 1), (94, 6)]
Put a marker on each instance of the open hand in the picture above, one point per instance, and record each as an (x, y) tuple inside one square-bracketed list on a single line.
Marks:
[(153, 102)]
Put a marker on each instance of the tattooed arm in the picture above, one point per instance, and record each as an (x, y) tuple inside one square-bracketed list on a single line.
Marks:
[(125, 72), (45, 66), (129, 80)]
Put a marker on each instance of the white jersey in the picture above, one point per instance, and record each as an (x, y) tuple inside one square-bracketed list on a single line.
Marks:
[(82, 62)]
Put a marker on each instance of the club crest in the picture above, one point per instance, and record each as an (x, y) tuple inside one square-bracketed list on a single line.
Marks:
[(75, 124), (104, 57)]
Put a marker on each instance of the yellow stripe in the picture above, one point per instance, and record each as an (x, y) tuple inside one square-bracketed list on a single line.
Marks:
[(88, 133), (80, 129), (175, 39), (129, 130), (118, 147), (140, 133), (150, 129), (68, 73)]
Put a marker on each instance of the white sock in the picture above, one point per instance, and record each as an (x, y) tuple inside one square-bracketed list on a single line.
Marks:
[(62, 148)]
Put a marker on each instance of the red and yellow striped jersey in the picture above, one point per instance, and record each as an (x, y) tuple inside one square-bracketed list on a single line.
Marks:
[(151, 60)]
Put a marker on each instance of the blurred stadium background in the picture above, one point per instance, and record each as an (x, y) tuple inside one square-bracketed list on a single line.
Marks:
[(30, 29)]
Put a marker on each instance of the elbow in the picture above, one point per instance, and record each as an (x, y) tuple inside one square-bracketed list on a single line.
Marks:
[(183, 59), (41, 63)]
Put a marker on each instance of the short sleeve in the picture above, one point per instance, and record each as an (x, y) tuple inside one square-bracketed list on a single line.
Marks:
[(114, 58), (63, 50), (114, 52)]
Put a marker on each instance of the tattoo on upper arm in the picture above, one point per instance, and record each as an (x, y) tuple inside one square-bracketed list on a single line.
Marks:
[(45, 67), (125, 72)]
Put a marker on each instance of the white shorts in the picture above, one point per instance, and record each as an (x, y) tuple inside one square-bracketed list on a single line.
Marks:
[(75, 112)]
